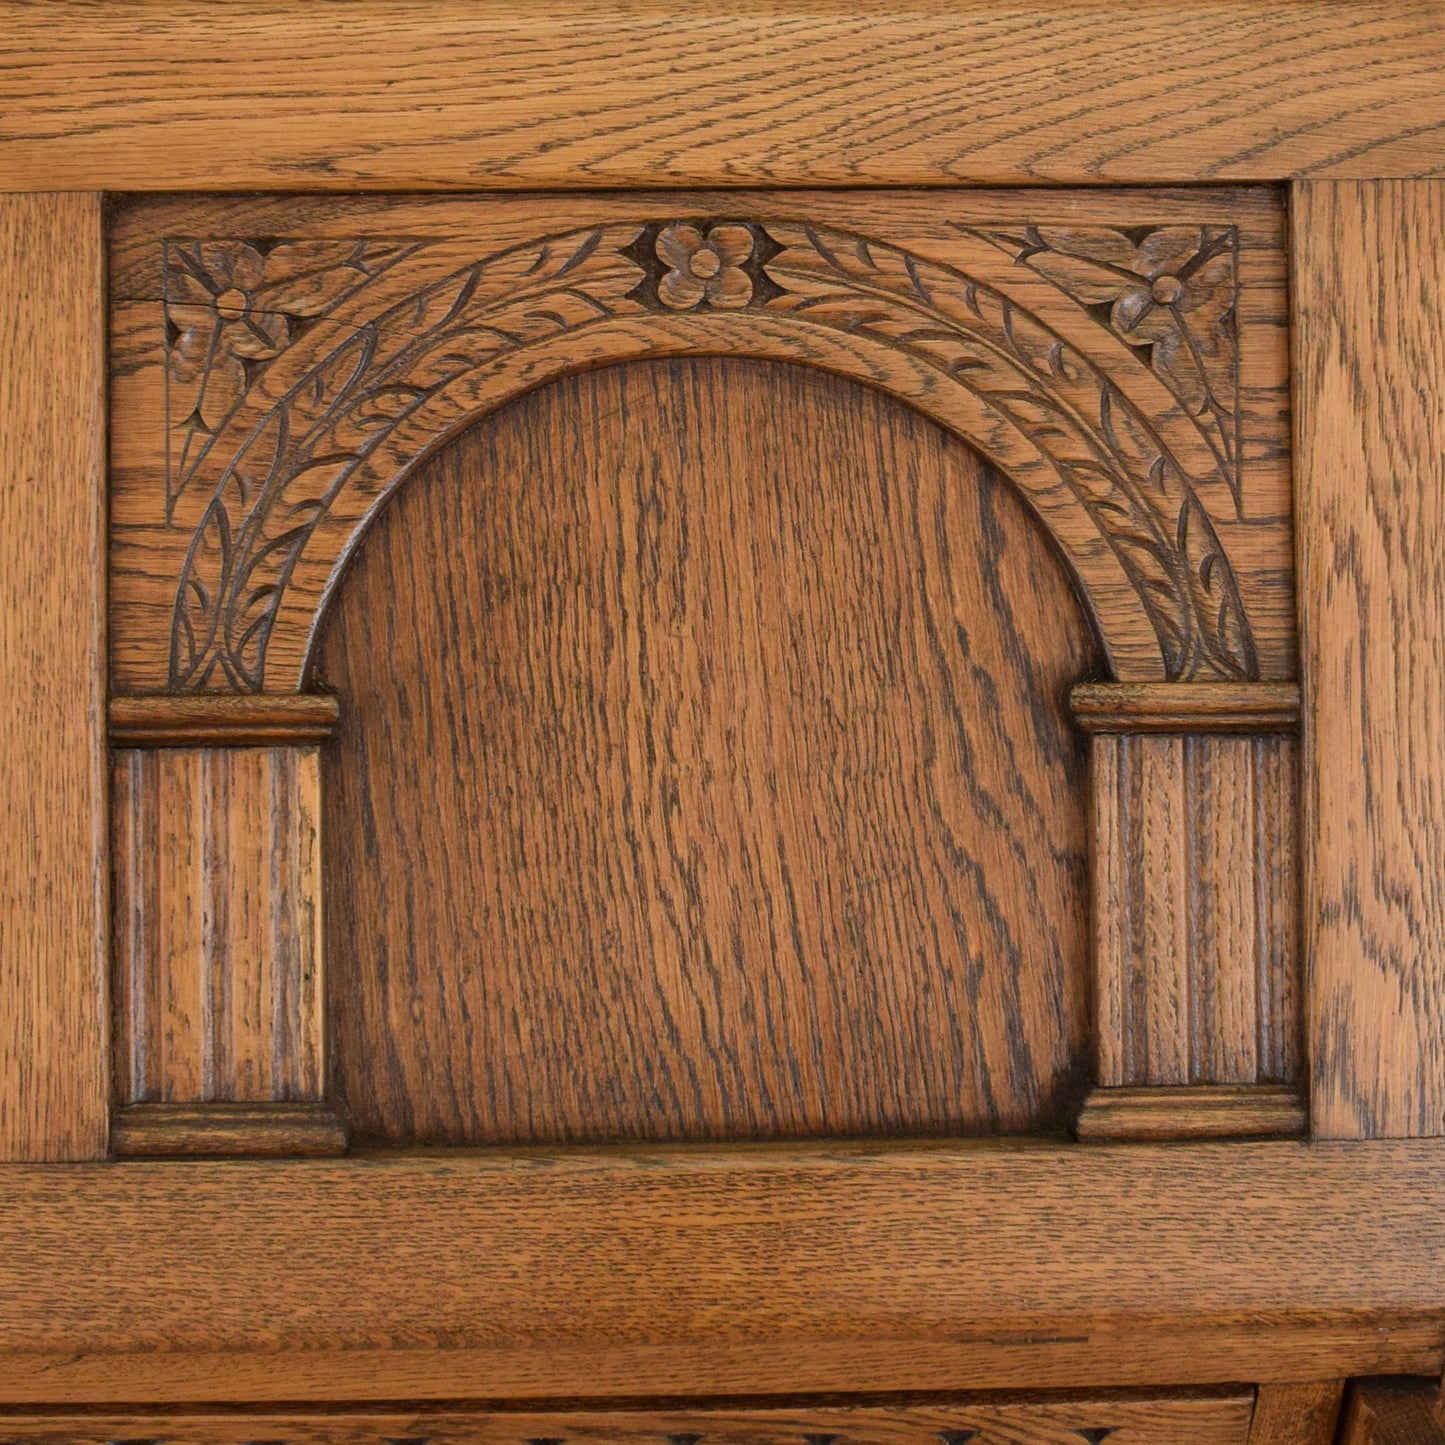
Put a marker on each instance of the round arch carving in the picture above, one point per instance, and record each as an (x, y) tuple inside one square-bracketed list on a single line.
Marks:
[(417, 347)]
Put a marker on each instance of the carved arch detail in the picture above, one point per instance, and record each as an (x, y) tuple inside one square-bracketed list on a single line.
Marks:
[(305, 380)]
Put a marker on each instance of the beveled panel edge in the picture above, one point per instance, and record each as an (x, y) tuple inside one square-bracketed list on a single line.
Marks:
[(225, 1130), (222, 720), (1186, 707), (1159, 1113)]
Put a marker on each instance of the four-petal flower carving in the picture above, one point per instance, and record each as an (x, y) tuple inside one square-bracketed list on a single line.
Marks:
[(705, 266)]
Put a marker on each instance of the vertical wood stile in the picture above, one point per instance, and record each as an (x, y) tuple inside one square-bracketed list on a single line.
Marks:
[(218, 928), (53, 1065), (217, 925), (1369, 334)]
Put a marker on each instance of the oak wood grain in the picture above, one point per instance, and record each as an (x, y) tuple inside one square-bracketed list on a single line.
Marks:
[(704, 773), (54, 1093), (217, 942), (1195, 866), (1370, 317), (1185, 707), (270, 395), (1304, 1414), (1197, 1419), (260, 94), (688, 1272)]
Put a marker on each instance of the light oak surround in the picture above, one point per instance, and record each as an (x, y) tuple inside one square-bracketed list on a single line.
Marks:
[(691, 1273), (1196, 1419), (1372, 508), (773, 681)]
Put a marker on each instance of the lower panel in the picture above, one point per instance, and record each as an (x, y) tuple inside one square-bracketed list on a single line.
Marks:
[(1197, 1420)]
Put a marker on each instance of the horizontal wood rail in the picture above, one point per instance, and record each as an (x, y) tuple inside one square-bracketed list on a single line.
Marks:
[(221, 1130), (694, 1272), (1192, 1111), (461, 95)]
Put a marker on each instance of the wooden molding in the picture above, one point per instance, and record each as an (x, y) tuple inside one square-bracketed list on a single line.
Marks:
[(1198, 707), (1193, 1111), (1146, 433), (256, 720), (221, 1130), (253, 95), (1196, 1418)]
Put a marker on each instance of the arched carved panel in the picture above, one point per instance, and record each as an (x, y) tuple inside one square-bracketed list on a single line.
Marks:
[(1126, 377), (280, 367)]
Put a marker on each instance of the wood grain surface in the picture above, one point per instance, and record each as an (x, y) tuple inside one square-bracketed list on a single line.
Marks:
[(1198, 1419), (254, 720), (54, 1086), (259, 94), (1196, 952), (1370, 356), (688, 1273), (704, 772), (1185, 707), (1296, 1414), (217, 942), (270, 394)]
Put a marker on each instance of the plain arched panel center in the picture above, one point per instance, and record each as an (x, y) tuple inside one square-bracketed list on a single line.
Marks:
[(704, 774)]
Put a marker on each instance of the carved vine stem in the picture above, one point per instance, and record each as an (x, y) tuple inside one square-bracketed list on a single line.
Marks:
[(313, 438)]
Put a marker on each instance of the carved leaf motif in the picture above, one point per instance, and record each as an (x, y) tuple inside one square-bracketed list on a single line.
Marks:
[(229, 303), (1171, 292), (289, 464), (1139, 496)]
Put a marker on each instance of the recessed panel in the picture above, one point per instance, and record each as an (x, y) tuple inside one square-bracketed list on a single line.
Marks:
[(703, 773)]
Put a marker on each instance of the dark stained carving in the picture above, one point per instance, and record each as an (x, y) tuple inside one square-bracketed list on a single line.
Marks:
[(235, 307), (1169, 291), (230, 307)]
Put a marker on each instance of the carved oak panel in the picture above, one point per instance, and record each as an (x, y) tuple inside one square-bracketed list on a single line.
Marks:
[(1116, 364)]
